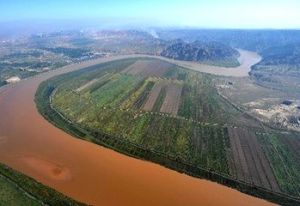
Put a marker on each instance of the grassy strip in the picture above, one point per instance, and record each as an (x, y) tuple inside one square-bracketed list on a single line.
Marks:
[(131, 92), (124, 146), (12, 194), (285, 161), (186, 103), (35, 190), (99, 85)]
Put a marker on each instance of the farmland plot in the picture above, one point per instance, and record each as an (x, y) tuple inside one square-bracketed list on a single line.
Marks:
[(148, 68), (152, 97), (172, 99), (283, 152), (137, 96), (113, 92), (203, 128), (250, 163), (208, 147), (140, 97), (93, 83)]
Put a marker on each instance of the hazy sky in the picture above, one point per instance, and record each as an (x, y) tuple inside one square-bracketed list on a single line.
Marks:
[(194, 13)]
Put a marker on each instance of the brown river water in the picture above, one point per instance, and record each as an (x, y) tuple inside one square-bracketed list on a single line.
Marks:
[(88, 172)]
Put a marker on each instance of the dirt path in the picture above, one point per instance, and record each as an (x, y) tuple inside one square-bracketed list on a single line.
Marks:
[(88, 172)]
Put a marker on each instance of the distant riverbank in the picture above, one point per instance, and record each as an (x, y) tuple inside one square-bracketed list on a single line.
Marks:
[(247, 59)]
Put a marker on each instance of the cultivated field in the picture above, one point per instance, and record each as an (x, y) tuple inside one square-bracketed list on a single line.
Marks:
[(153, 95), (172, 99), (176, 113), (282, 150), (249, 162), (148, 68)]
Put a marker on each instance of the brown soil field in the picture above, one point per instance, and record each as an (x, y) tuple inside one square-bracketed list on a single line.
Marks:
[(96, 175), (172, 99), (249, 161), (148, 68)]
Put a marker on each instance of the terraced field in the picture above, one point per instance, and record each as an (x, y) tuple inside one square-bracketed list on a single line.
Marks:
[(157, 111)]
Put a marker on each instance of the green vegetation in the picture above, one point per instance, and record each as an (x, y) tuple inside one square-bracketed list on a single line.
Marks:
[(176, 73), (140, 98), (284, 156), (100, 107), (160, 99), (18, 189), (22, 60), (104, 105), (201, 102), (10, 195)]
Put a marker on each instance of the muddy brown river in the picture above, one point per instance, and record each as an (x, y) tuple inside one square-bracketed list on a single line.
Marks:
[(88, 172)]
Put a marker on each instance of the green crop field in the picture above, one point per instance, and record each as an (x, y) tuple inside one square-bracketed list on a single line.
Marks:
[(10, 195), (172, 116)]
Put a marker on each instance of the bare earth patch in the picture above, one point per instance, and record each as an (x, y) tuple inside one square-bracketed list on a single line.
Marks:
[(248, 161), (285, 116), (145, 68), (172, 99)]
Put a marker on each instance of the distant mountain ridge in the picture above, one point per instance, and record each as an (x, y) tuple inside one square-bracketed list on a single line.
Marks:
[(282, 55), (254, 40), (200, 51), (279, 68)]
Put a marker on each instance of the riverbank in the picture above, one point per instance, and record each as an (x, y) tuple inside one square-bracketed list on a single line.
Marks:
[(22, 190)]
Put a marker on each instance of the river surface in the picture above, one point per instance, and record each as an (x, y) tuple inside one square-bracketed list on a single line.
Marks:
[(88, 172), (246, 60)]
